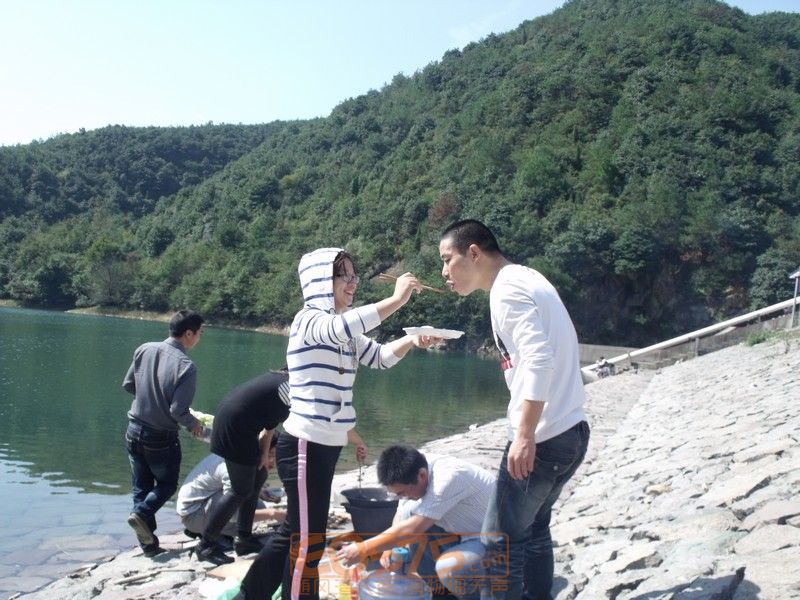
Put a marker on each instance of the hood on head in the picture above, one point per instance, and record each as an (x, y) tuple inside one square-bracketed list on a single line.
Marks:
[(316, 277)]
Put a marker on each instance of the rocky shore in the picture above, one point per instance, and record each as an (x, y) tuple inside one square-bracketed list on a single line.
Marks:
[(687, 492)]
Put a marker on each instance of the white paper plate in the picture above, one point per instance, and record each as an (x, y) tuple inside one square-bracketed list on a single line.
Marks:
[(447, 334)]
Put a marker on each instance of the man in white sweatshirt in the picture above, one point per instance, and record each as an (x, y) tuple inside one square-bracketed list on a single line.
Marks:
[(547, 429)]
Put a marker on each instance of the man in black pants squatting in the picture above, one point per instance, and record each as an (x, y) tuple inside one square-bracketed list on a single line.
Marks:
[(243, 428)]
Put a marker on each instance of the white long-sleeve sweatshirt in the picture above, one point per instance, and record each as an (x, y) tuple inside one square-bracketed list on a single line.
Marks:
[(323, 355), (539, 349)]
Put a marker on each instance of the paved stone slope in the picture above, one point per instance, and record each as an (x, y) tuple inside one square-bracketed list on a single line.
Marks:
[(607, 403), (695, 494)]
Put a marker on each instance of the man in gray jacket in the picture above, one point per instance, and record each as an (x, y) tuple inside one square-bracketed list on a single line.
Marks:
[(162, 380)]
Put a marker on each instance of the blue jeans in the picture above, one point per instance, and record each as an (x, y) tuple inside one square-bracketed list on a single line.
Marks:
[(447, 561), (155, 457), (517, 524)]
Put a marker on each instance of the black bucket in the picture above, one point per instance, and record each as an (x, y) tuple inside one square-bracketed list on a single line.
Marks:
[(372, 510)]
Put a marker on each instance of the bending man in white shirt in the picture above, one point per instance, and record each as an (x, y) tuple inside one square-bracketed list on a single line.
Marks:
[(547, 429), (204, 487), (444, 501)]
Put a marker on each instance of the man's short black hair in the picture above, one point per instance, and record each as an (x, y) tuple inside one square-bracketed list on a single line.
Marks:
[(400, 464), (183, 321), (469, 231)]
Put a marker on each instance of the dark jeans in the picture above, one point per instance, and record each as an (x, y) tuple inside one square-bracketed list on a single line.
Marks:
[(155, 457), (246, 482), (290, 557), (521, 561)]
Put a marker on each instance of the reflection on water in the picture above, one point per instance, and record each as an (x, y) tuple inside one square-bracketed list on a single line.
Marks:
[(50, 528), (63, 466), (63, 409)]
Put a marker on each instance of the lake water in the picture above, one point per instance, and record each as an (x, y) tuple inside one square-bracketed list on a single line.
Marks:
[(64, 473)]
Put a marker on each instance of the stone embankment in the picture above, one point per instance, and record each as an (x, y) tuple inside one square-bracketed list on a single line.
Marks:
[(695, 493), (686, 492)]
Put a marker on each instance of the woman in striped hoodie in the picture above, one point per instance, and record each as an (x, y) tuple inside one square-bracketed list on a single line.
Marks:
[(326, 345)]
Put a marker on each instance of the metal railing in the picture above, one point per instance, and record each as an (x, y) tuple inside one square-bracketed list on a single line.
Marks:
[(589, 372)]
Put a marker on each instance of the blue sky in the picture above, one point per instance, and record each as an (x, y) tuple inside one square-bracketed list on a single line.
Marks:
[(69, 64)]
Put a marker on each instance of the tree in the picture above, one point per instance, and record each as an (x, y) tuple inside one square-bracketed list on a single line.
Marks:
[(770, 282)]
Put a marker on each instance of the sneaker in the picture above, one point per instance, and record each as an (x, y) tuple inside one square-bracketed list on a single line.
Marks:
[(212, 554), (143, 532), (246, 545)]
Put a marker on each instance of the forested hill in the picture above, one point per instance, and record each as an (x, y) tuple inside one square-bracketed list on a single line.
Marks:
[(643, 154)]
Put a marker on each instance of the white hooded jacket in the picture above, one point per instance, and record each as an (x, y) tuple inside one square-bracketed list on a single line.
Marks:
[(323, 355)]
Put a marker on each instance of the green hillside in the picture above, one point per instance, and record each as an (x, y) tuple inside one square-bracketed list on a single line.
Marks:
[(643, 154)]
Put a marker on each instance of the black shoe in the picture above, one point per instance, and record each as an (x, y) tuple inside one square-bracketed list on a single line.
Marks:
[(152, 550), (143, 532), (212, 553), (246, 545)]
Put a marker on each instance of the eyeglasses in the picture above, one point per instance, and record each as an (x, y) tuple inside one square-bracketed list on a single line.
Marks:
[(349, 278)]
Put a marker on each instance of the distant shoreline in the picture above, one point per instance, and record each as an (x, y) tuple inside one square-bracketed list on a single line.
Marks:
[(594, 350), (163, 317)]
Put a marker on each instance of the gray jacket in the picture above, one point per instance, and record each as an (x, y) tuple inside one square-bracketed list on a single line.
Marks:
[(162, 379)]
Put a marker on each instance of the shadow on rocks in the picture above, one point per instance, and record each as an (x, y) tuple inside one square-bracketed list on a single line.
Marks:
[(559, 585), (705, 588)]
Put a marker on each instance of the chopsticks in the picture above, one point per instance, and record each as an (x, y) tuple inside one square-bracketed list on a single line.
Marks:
[(387, 277)]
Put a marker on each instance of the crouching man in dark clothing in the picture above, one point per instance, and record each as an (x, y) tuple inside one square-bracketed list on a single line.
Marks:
[(241, 434)]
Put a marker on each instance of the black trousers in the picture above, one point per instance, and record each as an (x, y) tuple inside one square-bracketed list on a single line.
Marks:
[(246, 482), (291, 556)]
